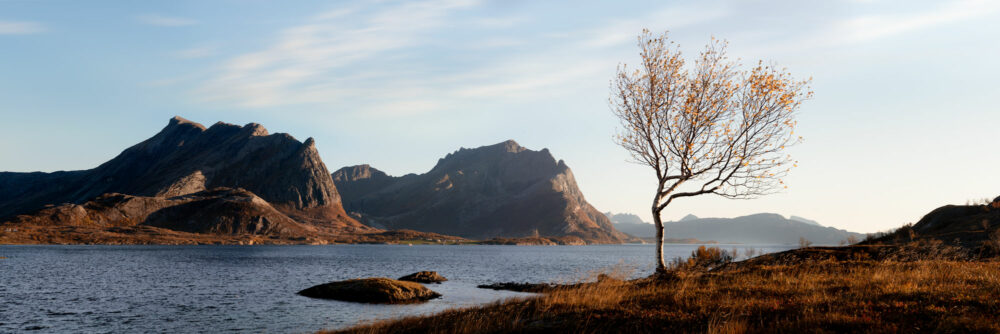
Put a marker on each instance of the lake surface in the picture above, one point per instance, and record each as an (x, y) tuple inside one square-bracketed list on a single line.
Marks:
[(114, 289)]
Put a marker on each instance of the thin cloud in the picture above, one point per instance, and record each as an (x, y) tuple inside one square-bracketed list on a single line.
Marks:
[(873, 27), (501, 22), (165, 21), (197, 52), (357, 57), (624, 31), (20, 28), (841, 32), (306, 63)]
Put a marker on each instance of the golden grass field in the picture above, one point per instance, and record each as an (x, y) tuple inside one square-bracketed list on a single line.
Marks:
[(812, 296)]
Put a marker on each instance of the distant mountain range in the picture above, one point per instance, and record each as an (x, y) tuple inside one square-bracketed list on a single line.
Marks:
[(763, 228), (497, 191), (228, 183)]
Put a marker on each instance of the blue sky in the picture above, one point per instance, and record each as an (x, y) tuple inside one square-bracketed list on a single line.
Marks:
[(904, 118)]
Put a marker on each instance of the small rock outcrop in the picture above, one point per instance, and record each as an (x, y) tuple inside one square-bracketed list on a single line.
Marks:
[(372, 290), (424, 277)]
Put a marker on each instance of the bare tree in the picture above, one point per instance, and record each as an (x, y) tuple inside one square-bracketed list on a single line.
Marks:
[(804, 243), (710, 128)]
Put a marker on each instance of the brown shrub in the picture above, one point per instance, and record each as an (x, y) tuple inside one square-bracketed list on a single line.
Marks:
[(703, 259)]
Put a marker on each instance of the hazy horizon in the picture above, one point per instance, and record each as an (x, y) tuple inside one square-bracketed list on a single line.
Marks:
[(902, 121)]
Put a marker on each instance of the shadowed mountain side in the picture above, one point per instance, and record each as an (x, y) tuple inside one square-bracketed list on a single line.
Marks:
[(185, 157), (502, 190), (763, 228)]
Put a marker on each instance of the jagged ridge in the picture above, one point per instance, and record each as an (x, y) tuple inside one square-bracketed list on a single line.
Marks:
[(186, 157)]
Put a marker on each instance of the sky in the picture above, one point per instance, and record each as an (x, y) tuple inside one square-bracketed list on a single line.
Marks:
[(904, 117)]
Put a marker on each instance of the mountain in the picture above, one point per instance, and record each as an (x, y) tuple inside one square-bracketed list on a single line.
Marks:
[(631, 224), (763, 228), (804, 220), (628, 218), (497, 191), (224, 179)]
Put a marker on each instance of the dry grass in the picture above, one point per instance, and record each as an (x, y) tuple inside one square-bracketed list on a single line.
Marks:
[(821, 296)]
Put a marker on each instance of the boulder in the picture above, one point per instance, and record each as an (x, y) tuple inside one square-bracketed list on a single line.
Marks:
[(372, 290), (424, 277)]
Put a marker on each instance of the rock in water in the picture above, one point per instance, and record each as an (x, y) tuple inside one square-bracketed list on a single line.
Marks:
[(424, 277), (372, 290), (502, 190)]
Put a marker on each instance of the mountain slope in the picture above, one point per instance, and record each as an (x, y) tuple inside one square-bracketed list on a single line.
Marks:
[(285, 175), (501, 190), (220, 210)]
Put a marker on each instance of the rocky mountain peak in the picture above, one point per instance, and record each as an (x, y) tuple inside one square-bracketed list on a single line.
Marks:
[(181, 121), (255, 129), (689, 217), (499, 190), (186, 157), (511, 146), (358, 172)]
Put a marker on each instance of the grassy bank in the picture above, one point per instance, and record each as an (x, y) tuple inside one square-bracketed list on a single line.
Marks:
[(815, 296)]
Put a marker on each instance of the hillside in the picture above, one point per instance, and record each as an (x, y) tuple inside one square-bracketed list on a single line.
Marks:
[(975, 228), (497, 191)]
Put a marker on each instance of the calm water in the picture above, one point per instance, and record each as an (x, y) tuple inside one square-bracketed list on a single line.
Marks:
[(114, 289)]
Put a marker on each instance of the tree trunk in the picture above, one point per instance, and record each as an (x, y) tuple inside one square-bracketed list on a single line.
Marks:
[(661, 266)]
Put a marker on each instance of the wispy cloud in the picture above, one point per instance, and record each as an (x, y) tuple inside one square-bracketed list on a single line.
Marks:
[(501, 22), (872, 24), (378, 61), (165, 21), (307, 63), (873, 27), (196, 52), (20, 28), (620, 32)]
